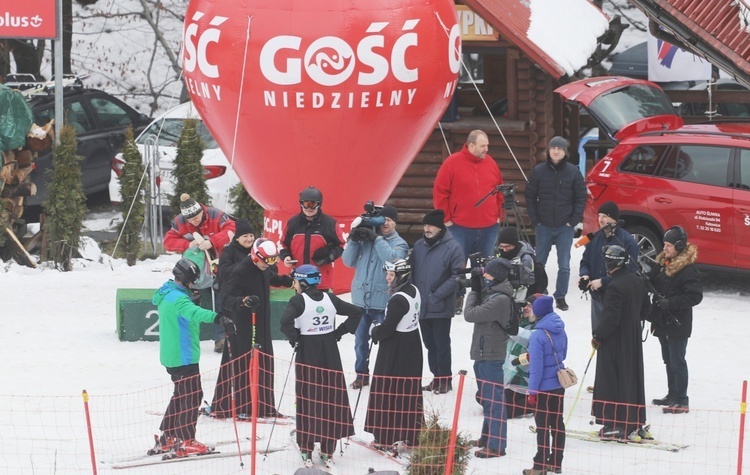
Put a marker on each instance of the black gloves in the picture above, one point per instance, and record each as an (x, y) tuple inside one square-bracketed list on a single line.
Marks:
[(583, 284), (227, 323), (294, 338), (250, 301), (476, 283), (369, 234), (323, 256), (339, 332), (662, 303)]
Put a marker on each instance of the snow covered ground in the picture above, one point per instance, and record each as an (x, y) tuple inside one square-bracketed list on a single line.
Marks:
[(58, 337)]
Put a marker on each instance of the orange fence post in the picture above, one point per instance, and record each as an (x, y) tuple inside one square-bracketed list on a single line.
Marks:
[(743, 411), (254, 394), (88, 427), (454, 427)]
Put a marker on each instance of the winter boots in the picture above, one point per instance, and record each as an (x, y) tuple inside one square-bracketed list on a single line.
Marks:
[(535, 470), (675, 408), (360, 382), (488, 453), (665, 401)]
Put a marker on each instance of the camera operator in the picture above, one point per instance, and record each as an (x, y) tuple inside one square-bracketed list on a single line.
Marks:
[(463, 179), (367, 250), (489, 308), (532, 275), (678, 284)]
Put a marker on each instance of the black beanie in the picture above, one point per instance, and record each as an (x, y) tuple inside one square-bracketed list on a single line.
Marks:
[(436, 217), (189, 207), (508, 235), (610, 209), (390, 211), (242, 227), (498, 268)]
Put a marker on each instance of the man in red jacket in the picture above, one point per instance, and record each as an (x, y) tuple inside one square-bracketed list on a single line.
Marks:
[(466, 177), (312, 237), (214, 226)]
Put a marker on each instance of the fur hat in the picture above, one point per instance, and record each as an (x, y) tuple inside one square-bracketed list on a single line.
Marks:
[(242, 227), (610, 209), (558, 142), (542, 306), (189, 207), (436, 217), (390, 211), (498, 268), (508, 235)]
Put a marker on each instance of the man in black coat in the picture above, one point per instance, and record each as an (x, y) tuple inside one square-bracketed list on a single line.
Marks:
[(679, 289), (555, 198), (619, 395), (248, 292)]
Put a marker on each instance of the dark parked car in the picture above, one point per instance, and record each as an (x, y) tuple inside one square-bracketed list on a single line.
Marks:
[(100, 121)]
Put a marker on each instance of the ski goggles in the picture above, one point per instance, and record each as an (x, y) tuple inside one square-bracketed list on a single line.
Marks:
[(309, 204), (271, 260)]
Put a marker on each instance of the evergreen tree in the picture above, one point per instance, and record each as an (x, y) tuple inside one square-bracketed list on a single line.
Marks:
[(246, 207), (66, 203), (188, 171), (132, 192)]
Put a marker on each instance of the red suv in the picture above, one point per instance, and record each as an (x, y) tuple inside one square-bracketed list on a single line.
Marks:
[(663, 173)]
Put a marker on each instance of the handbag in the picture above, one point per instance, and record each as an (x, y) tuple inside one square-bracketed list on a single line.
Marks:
[(566, 376)]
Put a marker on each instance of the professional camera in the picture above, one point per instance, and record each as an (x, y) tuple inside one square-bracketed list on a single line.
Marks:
[(476, 268), (369, 220), (509, 195)]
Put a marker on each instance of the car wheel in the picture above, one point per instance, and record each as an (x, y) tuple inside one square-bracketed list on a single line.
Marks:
[(649, 246)]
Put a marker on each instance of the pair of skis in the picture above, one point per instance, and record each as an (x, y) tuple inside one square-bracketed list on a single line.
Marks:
[(396, 452), (593, 436), (309, 468)]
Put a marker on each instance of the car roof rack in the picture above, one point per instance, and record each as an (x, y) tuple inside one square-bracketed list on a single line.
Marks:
[(30, 89)]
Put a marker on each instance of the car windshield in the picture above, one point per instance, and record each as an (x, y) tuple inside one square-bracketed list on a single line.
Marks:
[(629, 104), (169, 131)]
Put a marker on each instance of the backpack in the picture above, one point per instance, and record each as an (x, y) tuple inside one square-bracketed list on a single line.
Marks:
[(516, 314)]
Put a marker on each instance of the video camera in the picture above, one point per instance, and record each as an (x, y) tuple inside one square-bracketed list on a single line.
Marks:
[(370, 219), (476, 268)]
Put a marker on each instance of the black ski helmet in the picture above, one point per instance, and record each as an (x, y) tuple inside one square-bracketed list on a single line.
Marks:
[(401, 268), (311, 194), (615, 257), (186, 272)]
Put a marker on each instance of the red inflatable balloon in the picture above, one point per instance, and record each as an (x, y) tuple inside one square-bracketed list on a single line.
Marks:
[(339, 94)]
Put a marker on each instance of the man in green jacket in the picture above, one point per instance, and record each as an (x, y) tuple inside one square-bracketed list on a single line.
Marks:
[(179, 351)]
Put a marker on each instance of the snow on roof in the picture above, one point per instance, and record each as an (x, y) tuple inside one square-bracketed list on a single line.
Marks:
[(558, 35), (566, 30)]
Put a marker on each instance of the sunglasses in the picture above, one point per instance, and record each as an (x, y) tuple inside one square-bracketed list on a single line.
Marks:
[(309, 204)]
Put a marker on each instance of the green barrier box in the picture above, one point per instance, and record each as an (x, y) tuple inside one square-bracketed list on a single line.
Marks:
[(138, 318)]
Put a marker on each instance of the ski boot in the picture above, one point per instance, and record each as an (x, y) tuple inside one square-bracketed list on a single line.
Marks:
[(162, 445), (327, 461), (192, 447), (307, 460)]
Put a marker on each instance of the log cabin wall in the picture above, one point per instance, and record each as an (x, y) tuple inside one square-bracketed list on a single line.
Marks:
[(527, 136)]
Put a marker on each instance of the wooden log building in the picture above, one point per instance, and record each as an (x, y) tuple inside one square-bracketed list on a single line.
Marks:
[(516, 79)]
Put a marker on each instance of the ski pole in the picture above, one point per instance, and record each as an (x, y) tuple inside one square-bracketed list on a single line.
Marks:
[(359, 393), (234, 404), (580, 386), (283, 390)]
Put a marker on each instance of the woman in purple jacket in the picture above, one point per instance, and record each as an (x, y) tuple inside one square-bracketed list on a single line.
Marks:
[(548, 348)]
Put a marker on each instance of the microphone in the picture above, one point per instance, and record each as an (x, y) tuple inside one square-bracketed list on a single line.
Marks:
[(584, 240), (523, 360)]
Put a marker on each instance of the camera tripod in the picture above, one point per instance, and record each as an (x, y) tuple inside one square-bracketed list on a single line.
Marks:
[(511, 207)]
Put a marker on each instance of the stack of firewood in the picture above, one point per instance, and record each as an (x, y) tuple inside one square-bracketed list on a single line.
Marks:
[(15, 185), (16, 167)]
